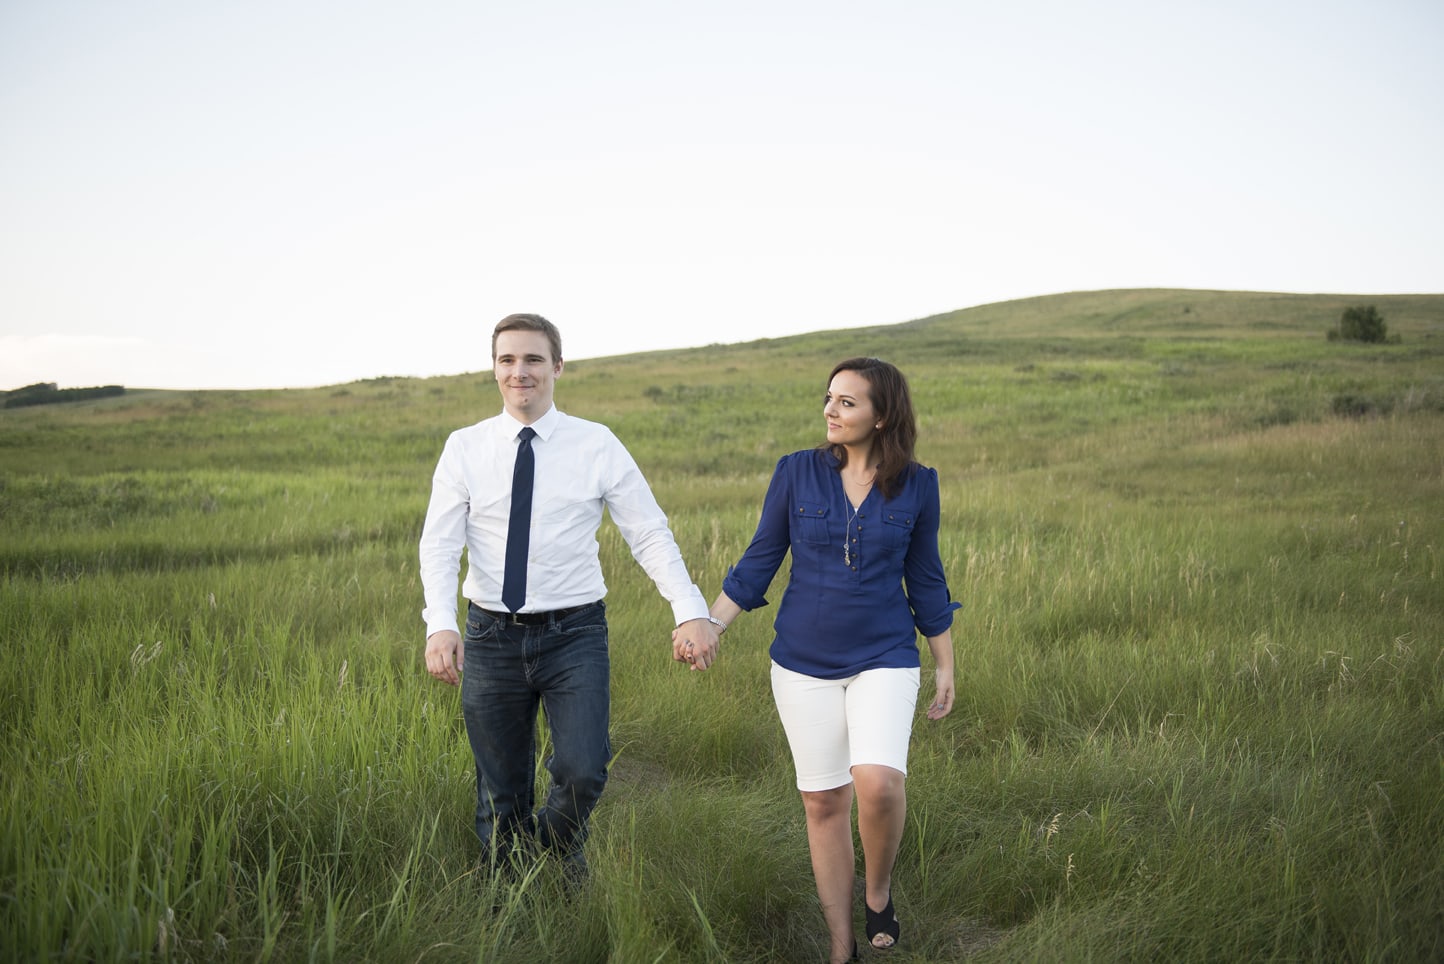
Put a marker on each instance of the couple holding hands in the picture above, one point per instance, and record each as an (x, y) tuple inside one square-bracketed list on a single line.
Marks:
[(860, 519)]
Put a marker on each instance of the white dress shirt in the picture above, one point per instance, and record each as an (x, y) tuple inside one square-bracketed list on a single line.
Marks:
[(581, 467)]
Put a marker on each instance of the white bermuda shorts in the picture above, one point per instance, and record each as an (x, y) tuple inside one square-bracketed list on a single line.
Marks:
[(833, 725)]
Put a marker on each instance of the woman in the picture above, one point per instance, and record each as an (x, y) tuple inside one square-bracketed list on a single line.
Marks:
[(860, 518)]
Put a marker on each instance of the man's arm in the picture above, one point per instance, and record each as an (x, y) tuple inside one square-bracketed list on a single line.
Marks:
[(443, 537), (643, 525)]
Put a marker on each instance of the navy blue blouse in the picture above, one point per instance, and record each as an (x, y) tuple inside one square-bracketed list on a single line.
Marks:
[(838, 618)]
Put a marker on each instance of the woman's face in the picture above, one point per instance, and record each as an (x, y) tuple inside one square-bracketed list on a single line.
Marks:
[(851, 418)]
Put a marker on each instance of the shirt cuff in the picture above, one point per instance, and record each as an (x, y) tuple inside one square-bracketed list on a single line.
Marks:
[(436, 623), (940, 623), (686, 610), (739, 594)]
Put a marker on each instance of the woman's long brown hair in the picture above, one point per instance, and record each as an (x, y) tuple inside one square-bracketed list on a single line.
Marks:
[(894, 406)]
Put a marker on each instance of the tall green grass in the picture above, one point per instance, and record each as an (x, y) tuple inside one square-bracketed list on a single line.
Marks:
[(1200, 659)]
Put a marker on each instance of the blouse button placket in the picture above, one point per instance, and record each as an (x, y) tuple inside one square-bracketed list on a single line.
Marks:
[(857, 541)]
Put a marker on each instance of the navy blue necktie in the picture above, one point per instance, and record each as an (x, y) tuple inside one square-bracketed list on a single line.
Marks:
[(518, 527)]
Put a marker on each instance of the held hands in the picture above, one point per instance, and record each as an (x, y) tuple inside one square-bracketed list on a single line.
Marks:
[(942, 703), (695, 642), (444, 655)]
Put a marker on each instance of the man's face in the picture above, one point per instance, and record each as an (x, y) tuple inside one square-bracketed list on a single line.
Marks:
[(526, 373)]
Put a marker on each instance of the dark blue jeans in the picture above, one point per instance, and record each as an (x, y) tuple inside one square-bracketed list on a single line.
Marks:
[(562, 666)]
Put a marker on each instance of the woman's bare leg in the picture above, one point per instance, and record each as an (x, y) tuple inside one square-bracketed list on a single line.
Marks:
[(829, 837), (881, 813)]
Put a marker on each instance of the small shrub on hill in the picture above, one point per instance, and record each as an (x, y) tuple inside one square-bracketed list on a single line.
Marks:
[(1361, 323)]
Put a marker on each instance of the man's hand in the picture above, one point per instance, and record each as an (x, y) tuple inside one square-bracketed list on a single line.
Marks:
[(443, 655), (695, 642)]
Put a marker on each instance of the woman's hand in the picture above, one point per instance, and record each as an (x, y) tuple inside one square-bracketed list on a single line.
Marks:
[(942, 703), (695, 643)]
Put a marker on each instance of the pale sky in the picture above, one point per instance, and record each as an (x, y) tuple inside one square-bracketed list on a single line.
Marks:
[(196, 194)]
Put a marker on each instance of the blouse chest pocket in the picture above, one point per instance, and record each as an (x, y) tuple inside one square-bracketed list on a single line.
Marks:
[(809, 521), (897, 526)]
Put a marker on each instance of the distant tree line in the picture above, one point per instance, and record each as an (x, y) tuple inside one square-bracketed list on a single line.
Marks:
[(48, 393)]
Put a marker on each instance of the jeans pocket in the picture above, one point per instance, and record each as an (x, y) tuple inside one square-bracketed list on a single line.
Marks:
[(480, 627), (593, 621)]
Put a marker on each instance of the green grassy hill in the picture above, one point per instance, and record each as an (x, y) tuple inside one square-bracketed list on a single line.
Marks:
[(1200, 657)]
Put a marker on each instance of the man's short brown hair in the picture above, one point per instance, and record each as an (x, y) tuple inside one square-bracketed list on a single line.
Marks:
[(529, 322)]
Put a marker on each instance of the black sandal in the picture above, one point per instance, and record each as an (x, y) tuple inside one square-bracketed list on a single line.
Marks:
[(880, 923)]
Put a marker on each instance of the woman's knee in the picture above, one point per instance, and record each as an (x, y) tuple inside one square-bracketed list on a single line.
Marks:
[(879, 786), (828, 804)]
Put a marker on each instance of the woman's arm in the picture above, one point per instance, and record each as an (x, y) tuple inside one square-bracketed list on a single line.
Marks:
[(724, 610), (941, 646)]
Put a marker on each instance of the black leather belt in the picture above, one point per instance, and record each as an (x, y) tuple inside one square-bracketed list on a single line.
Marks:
[(535, 619)]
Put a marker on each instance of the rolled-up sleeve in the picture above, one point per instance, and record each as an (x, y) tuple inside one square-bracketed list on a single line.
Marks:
[(927, 585)]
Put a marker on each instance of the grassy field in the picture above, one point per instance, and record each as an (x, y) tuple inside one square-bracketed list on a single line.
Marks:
[(1200, 657)]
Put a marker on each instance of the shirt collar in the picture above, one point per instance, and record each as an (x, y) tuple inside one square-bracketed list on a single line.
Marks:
[(543, 426)]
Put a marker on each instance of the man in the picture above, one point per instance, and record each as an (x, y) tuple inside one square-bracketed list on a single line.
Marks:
[(536, 630)]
